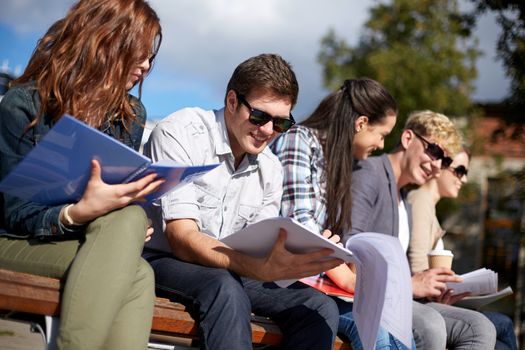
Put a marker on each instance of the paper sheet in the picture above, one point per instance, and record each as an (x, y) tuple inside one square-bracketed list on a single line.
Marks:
[(475, 302), (383, 294)]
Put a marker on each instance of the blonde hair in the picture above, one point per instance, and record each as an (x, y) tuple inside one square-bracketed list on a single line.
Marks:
[(437, 126)]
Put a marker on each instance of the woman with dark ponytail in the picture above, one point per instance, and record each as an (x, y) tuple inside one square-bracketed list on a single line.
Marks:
[(318, 156)]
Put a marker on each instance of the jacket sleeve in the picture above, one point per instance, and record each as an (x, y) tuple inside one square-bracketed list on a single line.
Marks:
[(20, 217), (365, 187), (423, 216)]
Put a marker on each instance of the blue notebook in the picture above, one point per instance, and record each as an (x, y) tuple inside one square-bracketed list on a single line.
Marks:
[(57, 170)]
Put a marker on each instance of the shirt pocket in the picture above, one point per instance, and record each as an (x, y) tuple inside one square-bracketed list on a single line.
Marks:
[(245, 216), (209, 207)]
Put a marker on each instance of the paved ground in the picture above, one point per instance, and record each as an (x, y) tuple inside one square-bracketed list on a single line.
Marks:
[(17, 335)]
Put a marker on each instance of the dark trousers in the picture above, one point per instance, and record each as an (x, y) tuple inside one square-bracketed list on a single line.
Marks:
[(222, 303), (505, 337)]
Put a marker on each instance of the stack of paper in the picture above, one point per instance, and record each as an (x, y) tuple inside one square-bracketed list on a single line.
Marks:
[(475, 302), (483, 287), (478, 282)]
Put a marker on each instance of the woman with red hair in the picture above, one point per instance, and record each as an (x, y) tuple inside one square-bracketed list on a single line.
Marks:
[(85, 66)]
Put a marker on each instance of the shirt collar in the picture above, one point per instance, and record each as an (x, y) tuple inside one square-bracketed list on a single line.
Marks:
[(220, 135)]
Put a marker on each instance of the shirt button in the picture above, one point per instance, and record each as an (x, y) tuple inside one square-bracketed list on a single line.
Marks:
[(54, 229)]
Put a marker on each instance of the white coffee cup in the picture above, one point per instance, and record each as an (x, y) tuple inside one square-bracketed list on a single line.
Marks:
[(440, 258)]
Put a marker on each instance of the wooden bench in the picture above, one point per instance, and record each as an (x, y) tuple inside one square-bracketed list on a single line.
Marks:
[(22, 292)]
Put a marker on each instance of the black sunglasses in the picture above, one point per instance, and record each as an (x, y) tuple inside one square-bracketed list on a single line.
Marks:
[(435, 152), (151, 58), (259, 118), (459, 171)]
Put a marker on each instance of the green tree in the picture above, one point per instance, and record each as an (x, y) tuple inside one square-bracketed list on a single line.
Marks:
[(420, 50), (510, 15)]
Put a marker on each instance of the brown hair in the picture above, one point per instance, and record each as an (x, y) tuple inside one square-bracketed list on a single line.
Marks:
[(334, 119), (82, 64), (267, 72)]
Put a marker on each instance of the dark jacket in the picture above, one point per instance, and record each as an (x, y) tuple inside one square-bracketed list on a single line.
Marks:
[(19, 106)]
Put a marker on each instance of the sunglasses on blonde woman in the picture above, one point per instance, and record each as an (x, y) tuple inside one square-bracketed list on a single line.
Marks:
[(459, 171), (259, 118), (434, 151)]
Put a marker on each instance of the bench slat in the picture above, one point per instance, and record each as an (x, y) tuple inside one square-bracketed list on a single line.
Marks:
[(39, 295)]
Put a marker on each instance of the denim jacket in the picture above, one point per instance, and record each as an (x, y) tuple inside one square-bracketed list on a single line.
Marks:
[(19, 106)]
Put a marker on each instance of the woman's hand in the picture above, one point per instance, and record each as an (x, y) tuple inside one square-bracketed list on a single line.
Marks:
[(334, 238), (448, 297), (432, 283), (149, 231), (100, 198)]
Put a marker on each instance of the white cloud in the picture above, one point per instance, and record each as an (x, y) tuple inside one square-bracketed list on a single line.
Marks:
[(204, 40), (208, 39), (29, 16)]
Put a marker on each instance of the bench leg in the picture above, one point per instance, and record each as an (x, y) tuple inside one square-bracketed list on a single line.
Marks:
[(160, 346), (52, 332)]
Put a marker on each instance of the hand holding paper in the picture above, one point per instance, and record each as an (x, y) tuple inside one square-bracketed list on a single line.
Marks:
[(383, 292), (432, 282), (478, 282), (57, 169), (281, 264), (290, 250), (482, 284), (100, 198)]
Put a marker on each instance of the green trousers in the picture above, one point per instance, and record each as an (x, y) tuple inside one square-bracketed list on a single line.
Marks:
[(108, 295)]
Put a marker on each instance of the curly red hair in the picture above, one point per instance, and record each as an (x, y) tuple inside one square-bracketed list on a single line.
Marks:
[(82, 63)]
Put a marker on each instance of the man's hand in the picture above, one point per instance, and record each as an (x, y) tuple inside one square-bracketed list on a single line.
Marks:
[(281, 264), (432, 282)]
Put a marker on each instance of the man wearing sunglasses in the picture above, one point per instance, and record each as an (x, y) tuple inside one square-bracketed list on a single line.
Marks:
[(379, 206), (222, 286)]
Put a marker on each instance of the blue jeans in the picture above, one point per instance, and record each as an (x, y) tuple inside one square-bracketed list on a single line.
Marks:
[(348, 328), (505, 337), (222, 303)]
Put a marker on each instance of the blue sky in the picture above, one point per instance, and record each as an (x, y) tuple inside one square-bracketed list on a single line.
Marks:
[(204, 41)]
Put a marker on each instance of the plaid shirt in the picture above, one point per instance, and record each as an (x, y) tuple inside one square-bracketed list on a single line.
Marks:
[(301, 155)]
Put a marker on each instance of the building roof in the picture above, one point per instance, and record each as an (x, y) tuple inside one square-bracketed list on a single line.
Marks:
[(497, 137)]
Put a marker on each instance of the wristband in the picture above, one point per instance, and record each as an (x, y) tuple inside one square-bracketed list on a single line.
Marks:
[(67, 218)]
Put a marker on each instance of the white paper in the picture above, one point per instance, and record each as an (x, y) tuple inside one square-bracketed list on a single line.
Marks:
[(475, 302), (478, 282), (258, 240), (383, 294)]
